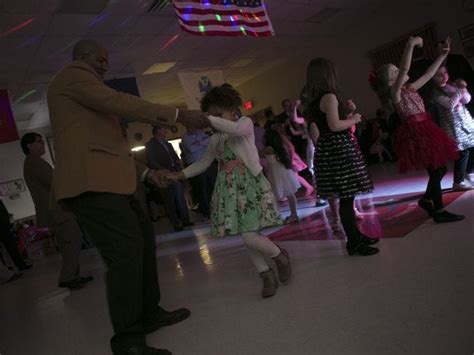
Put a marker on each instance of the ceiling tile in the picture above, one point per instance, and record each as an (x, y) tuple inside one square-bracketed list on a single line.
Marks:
[(67, 24)]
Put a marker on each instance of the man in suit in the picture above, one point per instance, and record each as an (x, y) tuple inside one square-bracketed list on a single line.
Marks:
[(287, 114), (95, 177), (194, 144), (161, 155), (38, 175)]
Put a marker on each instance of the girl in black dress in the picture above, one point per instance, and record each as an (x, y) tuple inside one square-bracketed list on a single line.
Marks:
[(340, 169)]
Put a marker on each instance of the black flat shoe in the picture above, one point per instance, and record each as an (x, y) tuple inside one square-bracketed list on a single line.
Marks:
[(165, 318), (446, 217), (368, 240), (145, 350), (427, 205), (320, 202), (363, 250)]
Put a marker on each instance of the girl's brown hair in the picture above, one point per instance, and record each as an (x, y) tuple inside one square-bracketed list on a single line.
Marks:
[(224, 97), (321, 77)]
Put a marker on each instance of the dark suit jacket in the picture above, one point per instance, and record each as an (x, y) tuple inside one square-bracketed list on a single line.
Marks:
[(158, 157), (38, 175)]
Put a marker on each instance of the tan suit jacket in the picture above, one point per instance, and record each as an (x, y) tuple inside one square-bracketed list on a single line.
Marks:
[(92, 150)]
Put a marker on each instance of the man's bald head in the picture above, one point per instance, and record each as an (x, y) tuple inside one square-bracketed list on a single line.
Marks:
[(92, 53)]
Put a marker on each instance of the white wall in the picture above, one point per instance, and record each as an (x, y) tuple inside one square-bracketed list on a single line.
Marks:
[(11, 168)]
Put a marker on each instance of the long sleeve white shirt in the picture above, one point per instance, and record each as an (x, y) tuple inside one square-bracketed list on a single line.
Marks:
[(239, 137)]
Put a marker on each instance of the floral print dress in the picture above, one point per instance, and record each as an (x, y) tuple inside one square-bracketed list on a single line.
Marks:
[(241, 202)]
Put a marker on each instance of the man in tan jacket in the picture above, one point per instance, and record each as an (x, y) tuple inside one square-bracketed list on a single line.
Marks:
[(38, 175), (95, 177)]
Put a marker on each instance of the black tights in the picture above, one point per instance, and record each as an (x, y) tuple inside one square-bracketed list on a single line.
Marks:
[(346, 211), (433, 189)]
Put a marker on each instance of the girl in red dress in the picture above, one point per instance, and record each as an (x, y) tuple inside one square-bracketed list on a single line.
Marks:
[(421, 144)]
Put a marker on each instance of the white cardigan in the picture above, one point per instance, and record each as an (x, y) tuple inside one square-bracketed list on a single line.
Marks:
[(239, 137)]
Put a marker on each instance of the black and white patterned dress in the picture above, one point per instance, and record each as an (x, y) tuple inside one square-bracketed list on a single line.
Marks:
[(454, 118), (339, 166)]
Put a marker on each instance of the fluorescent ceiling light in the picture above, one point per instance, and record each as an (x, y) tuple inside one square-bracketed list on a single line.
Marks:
[(243, 62), (159, 68), (137, 149)]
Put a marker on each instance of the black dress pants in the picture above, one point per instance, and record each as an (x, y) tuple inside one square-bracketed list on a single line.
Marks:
[(124, 236)]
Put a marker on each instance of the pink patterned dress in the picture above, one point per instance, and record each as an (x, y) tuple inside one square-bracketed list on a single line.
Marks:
[(421, 144), (296, 161)]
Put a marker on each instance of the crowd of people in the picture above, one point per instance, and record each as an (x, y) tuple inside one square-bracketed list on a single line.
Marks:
[(238, 174)]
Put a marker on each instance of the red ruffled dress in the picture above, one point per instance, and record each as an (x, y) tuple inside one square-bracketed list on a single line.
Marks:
[(421, 144)]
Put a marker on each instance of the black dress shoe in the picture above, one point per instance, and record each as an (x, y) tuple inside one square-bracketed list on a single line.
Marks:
[(75, 284), (188, 224), (362, 249), (145, 350), (14, 277), (446, 217), (427, 205), (25, 267), (164, 318), (86, 279), (368, 240), (178, 229)]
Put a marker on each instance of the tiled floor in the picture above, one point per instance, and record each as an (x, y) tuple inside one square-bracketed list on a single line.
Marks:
[(415, 297)]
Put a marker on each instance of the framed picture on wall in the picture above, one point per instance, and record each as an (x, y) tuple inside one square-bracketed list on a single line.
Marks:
[(12, 187)]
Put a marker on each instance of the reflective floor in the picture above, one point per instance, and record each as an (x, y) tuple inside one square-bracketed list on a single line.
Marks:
[(415, 297)]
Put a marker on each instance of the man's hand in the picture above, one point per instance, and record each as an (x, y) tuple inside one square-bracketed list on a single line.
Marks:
[(158, 178), (193, 119), (174, 176)]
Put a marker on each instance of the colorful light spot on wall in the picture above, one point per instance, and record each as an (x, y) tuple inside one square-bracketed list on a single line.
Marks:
[(17, 28), (24, 96), (169, 42)]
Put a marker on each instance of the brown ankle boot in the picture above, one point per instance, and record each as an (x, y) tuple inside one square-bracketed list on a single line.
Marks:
[(282, 262), (270, 283)]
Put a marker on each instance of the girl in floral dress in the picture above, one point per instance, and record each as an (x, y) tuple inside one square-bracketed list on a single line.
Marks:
[(242, 202), (421, 144)]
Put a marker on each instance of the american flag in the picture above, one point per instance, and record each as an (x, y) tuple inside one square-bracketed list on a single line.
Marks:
[(224, 17)]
